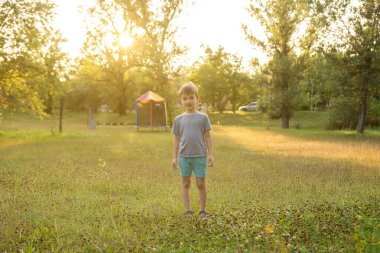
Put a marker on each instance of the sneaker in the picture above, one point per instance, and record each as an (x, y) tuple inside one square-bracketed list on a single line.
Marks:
[(188, 213), (203, 214)]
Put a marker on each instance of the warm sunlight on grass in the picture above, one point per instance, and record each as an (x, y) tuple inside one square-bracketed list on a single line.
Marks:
[(112, 190), (361, 153)]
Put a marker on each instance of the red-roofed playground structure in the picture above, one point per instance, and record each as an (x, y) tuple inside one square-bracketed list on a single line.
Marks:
[(151, 111)]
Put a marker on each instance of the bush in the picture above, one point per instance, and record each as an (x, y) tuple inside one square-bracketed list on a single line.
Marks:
[(344, 114), (303, 102), (373, 114), (270, 108)]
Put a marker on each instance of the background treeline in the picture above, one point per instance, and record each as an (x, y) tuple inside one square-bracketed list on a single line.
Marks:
[(321, 55)]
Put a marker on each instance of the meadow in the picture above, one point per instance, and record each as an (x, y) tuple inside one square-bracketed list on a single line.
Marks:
[(112, 189)]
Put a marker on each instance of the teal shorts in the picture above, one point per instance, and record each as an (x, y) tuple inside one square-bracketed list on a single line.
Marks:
[(189, 164)]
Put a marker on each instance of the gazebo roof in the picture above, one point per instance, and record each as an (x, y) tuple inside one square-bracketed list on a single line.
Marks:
[(150, 96)]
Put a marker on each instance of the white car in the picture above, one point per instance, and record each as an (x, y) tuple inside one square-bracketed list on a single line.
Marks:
[(250, 107)]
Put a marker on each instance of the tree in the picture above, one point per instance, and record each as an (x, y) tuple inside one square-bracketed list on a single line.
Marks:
[(280, 20), (317, 83), (55, 64), (221, 79), (85, 92), (155, 23), (150, 23), (237, 79), (29, 53), (106, 47), (355, 46), (213, 76)]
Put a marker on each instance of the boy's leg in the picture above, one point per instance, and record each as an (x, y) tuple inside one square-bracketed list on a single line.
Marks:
[(201, 185), (186, 182), (200, 169)]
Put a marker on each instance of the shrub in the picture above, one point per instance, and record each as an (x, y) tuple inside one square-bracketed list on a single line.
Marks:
[(343, 114), (345, 111), (373, 114)]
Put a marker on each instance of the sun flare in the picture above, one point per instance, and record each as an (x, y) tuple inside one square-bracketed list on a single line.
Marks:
[(125, 40)]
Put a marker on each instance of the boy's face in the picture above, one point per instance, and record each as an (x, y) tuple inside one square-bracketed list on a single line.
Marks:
[(189, 101)]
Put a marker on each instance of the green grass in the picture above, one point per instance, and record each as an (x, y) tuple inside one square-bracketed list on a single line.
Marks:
[(112, 190), (301, 119)]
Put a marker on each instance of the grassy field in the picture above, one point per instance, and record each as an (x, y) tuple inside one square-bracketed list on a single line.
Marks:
[(112, 189)]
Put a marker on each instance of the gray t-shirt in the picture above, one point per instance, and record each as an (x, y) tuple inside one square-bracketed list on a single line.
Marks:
[(191, 129)]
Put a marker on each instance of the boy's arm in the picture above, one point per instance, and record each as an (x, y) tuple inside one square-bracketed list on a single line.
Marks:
[(175, 151), (210, 154)]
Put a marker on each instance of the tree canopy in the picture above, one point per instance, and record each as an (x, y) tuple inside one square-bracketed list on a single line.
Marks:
[(322, 55), (30, 57), (354, 45), (280, 20)]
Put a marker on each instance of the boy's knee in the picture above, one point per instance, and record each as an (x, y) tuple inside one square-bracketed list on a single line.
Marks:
[(201, 185), (186, 184)]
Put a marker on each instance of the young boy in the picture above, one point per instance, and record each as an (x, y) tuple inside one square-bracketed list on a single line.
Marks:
[(192, 146)]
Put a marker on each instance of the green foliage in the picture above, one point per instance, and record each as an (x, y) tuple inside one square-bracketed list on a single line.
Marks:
[(373, 118), (280, 20), (86, 88), (343, 114), (221, 80), (56, 72), (367, 232), (250, 88), (31, 61), (24, 25), (147, 63), (316, 86), (111, 59), (354, 46), (212, 79)]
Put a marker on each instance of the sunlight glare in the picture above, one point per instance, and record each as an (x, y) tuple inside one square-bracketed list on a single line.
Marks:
[(125, 40)]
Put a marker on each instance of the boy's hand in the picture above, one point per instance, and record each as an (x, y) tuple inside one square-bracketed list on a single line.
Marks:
[(174, 164), (210, 161)]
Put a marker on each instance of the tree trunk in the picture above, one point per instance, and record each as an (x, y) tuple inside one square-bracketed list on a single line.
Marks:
[(362, 116), (363, 97), (121, 108), (362, 110), (233, 86), (49, 104), (61, 105), (122, 103), (169, 111), (285, 121), (234, 99), (285, 114)]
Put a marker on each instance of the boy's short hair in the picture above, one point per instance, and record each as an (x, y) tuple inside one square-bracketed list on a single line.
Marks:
[(188, 88)]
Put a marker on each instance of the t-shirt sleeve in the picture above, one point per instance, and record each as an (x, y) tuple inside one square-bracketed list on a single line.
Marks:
[(207, 124), (175, 129)]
